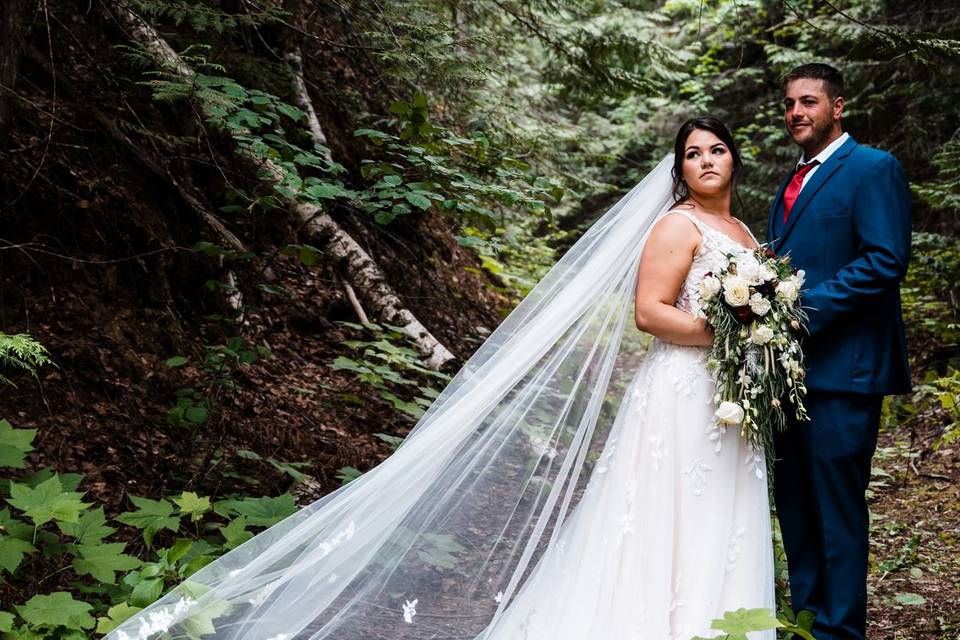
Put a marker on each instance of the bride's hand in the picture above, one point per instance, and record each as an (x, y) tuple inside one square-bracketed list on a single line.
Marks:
[(707, 333)]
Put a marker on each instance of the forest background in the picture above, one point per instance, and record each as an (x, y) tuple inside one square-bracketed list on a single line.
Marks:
[(243, 243)]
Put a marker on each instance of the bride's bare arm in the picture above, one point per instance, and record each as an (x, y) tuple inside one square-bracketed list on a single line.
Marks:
[(666, 259)]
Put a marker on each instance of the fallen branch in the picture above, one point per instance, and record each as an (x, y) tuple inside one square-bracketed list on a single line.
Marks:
[(355, 303), (362, 271)]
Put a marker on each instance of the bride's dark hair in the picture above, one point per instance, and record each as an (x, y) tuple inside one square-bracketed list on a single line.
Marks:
[(706, 123)]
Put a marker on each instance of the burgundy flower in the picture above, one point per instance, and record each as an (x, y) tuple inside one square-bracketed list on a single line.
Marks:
[(766, 289), (744, 314)]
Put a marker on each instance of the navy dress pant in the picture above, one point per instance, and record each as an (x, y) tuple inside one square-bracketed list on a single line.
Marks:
[(822, 471)]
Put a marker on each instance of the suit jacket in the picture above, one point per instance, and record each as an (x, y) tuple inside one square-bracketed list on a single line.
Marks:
[(850, 231)]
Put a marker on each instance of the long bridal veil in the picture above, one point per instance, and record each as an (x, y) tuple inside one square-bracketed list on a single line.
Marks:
[(437, 540)]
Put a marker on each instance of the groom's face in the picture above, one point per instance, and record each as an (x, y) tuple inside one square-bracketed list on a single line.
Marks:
[(810, 114)]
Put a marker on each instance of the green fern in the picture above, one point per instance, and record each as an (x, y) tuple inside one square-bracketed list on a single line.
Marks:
[(202, 17), (944, 193), (20, 351)]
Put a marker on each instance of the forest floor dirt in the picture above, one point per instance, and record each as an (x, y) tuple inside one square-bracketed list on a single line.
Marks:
[(914, 582)]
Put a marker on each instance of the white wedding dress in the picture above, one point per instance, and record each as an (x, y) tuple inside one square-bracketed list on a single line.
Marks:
[(674, 526), (558, 417)]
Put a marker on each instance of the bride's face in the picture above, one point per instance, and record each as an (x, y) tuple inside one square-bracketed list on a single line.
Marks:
[(707, 163)]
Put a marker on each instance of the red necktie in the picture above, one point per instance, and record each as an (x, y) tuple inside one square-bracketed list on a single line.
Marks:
[(793, 189)]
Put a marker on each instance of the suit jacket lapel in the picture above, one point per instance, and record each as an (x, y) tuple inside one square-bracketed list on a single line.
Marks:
[(814, 184), (775, 207)]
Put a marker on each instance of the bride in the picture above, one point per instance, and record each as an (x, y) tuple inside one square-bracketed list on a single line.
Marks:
[(570, 483)]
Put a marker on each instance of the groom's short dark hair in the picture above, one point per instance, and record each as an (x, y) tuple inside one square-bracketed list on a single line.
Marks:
[(832, 78)]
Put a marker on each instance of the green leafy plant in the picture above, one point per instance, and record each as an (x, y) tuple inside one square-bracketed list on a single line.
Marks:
[(20, 351), (425, 165), (393, 368), (49, 529), (736, 624)]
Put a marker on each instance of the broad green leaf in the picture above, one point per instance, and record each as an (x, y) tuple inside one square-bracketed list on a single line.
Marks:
[(48, 501), (308, 255), (399, 108), (6, 621), (69, 481), (805, 619), (23, 632), (13, 527), (15, 444), (56, 609), (201, 623), (391, 180), (347, 475), (291, 112), (260, 512), (146, 592), (193, 505), (196, 414), (91, 528), (102, 561), (236, 532), (176, 361), (343, 362), (179, 550), (289, 468), (737, 623), (195, 565), (115, 615), (373, 134), (12, 551), (151, 516), (327, 190), (910, 598), (393, 441), (417, 200)]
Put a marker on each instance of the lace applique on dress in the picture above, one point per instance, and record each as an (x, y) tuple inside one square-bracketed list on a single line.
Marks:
[(711, 257)]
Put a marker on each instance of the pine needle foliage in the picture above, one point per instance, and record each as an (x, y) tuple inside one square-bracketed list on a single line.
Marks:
[(20, 351), (943, 194), (204, 16)]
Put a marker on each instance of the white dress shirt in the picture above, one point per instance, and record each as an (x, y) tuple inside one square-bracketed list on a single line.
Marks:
[(822, 157)]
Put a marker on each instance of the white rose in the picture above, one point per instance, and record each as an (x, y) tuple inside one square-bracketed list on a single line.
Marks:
[(729, 413), (767, 273), (709, 287), (749, 269), (761, 335), (736, 291), (789, 290), (759, 305)]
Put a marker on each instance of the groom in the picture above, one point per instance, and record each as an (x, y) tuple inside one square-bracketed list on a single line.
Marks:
[(843, 215)]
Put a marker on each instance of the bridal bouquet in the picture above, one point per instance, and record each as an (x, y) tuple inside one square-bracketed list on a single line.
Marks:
[(753, 308)]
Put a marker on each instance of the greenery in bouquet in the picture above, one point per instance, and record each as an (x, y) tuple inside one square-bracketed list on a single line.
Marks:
[(753, 307)]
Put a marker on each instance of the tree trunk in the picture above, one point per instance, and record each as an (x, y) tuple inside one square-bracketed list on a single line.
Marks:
[(361, 270)]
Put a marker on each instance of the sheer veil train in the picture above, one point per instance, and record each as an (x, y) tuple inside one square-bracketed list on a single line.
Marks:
[(439, 539)]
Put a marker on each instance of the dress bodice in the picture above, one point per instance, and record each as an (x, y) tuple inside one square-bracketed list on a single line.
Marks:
[(711, 257)]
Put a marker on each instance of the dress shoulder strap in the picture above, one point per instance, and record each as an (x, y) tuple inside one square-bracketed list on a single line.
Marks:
[(696, 222), (689, 216)]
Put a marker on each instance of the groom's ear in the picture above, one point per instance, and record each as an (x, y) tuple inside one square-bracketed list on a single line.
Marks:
[(838, 104)]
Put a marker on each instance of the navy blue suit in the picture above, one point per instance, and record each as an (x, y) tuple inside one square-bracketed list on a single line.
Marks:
[(849, 230)]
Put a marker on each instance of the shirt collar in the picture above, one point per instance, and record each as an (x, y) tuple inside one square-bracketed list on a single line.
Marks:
[(827, 152)]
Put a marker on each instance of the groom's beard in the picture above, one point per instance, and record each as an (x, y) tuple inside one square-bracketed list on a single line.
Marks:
[(818, 135)]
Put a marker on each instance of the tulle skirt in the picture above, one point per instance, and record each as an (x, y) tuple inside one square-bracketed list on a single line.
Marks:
[(673, 529)]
